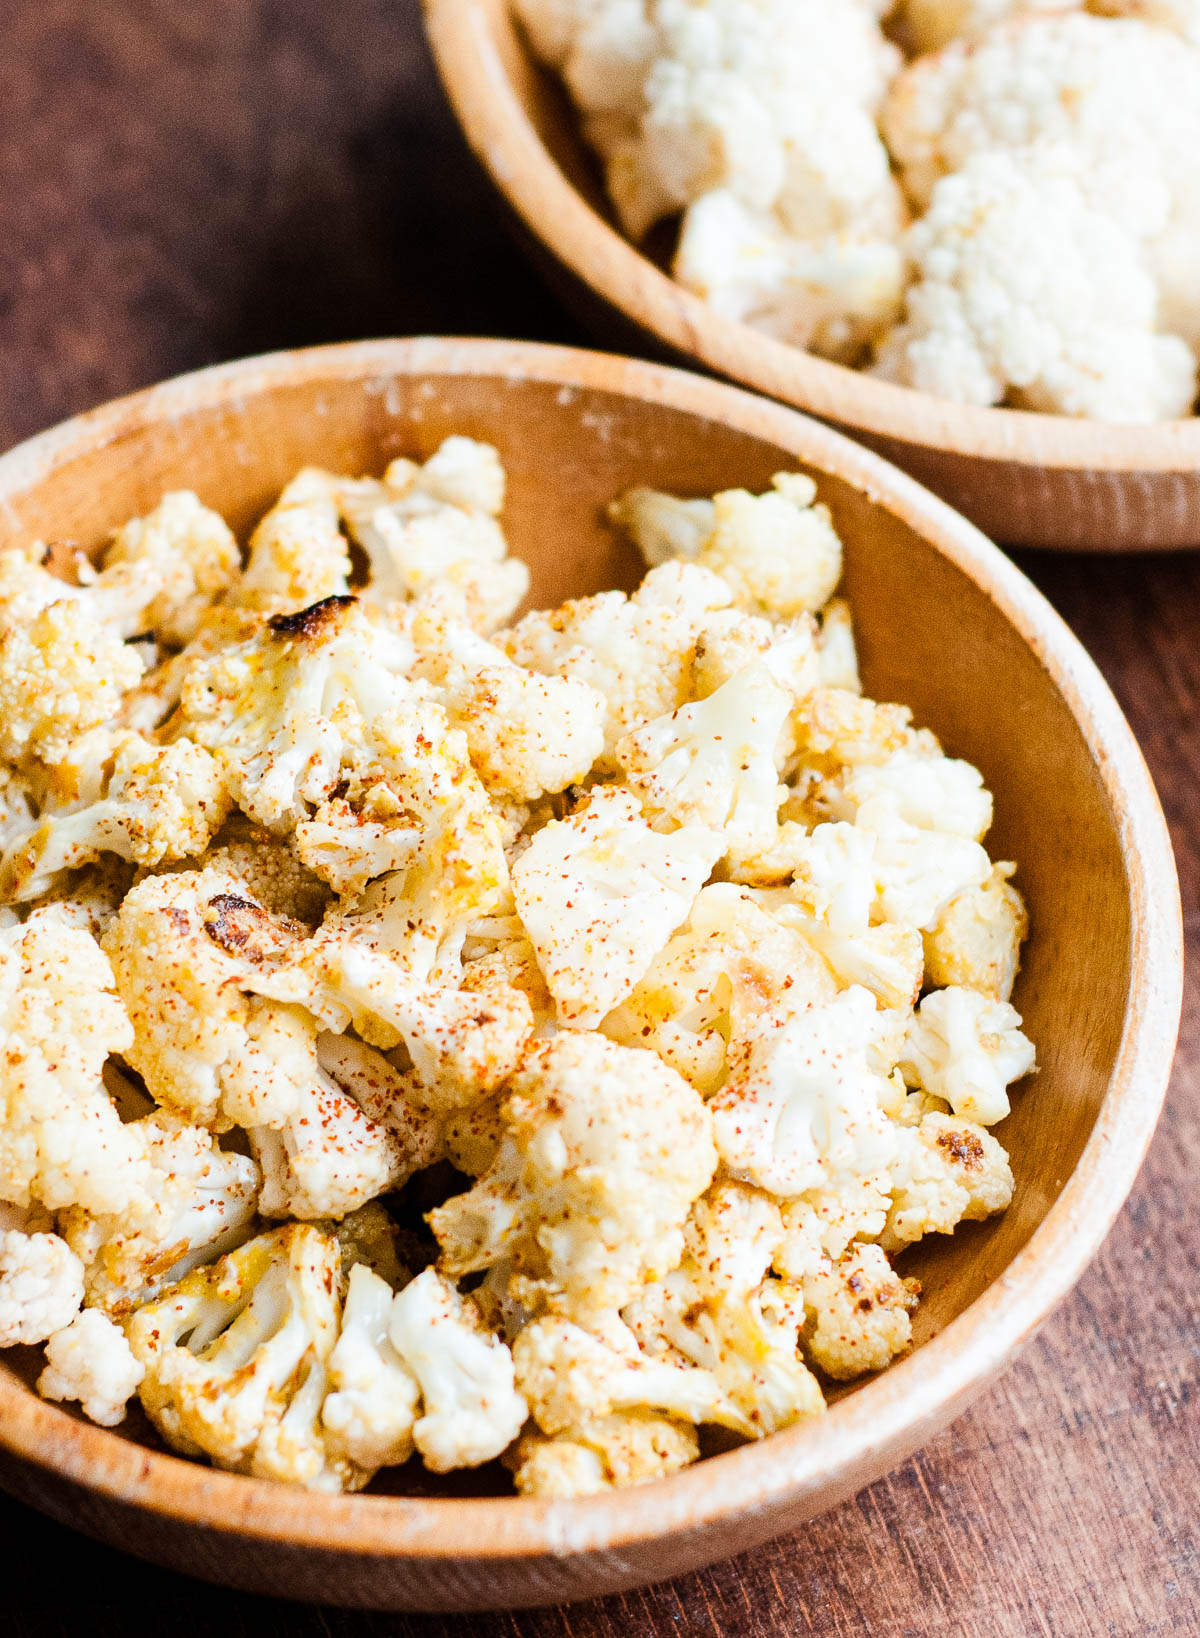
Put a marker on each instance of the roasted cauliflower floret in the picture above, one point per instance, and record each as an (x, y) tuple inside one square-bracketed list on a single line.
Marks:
[(198, 1202), (186, 949), (605, 1148), (61, 674), (373, 1398), (945, 1172), (607, 1453), (470, 1409), (41, 1279), (142, 802), (600, 894), (803, 1106), (636, 651), (713, 763), (90, 1360), (191, 550), (967, 1049), (298, 554), (61, 1139), (528, 734), (236, 1359), (857, 1313), (976, 943)]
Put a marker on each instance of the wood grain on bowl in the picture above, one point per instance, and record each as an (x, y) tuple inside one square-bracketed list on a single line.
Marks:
[(1025, 479), (947, 625)]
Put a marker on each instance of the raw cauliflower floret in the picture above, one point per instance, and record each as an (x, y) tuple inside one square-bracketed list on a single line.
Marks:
[(61, 1139), (637, 651), (373, 1398), (197, 1203), (90, 1360), (803, 1106), (721, 1312), (967, 1049), (186, 949), (605, 1148), (236, 1359), (1071, 329), (711, 984), (41, 1279), (946, 1172), (471, 1410), (528, 734), (61, 673), (778, 552), (606, 1453), (193, 552), (976, 942), (600, 894), (713, 763), (298, 554), (834, 294), (145, 803), (1120, 98), (857, 1313)]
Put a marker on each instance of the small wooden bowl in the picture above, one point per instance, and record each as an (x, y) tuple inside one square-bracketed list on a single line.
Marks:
[(1026, 480), (946, 624)]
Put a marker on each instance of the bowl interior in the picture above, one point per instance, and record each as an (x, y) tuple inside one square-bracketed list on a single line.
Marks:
[(929, 636)]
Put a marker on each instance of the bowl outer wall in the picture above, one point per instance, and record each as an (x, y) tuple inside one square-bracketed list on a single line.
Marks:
[(416, 1553)]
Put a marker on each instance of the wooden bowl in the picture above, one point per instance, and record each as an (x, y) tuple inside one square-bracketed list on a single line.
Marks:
[(1025, 479), (946, 624)]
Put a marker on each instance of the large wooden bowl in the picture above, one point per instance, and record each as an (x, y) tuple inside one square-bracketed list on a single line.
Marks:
[(948, 625), (1026, 480)]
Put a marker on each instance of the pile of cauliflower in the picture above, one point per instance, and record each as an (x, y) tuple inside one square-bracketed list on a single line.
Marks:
[(995, 201), (428, 1033)]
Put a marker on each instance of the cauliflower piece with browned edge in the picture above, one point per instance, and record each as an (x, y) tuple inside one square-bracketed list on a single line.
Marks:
[(298, 555), (976, 942), (604, 1150), (945, 1172), (605, 1453), (857, 1313), (89, 1360)]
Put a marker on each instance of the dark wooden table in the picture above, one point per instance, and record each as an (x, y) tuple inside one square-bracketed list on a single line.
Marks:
[(185, 183)]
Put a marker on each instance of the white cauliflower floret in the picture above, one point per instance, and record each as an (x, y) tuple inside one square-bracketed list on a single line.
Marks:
[(192, 551), (946, 1172), (186, 948), (713, 763), (1070, 330), (1119, 98), (834, 295), (197, 1203), (976, 942), (236, 1359), (528, 734), (967, 1049), (41, 1279), (711, 984), (145, 803), (61, 1138), (936, 793), (600, 894), (61, 673), (837, 653), (606, 1453), (857, 1313), (90, 1360), (604, 1150), (373, 1397), (804, 1106), (298, 554), (470, 1408), (636, 651), (1181, 15), (571, 1377), (730, 641), (719, 1310), (34, 577)]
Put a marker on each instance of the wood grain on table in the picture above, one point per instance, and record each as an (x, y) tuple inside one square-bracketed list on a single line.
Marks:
[(183, 184)]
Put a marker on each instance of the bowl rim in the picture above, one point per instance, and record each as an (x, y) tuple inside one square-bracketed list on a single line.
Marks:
[(887, 1416), (480, 91)]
